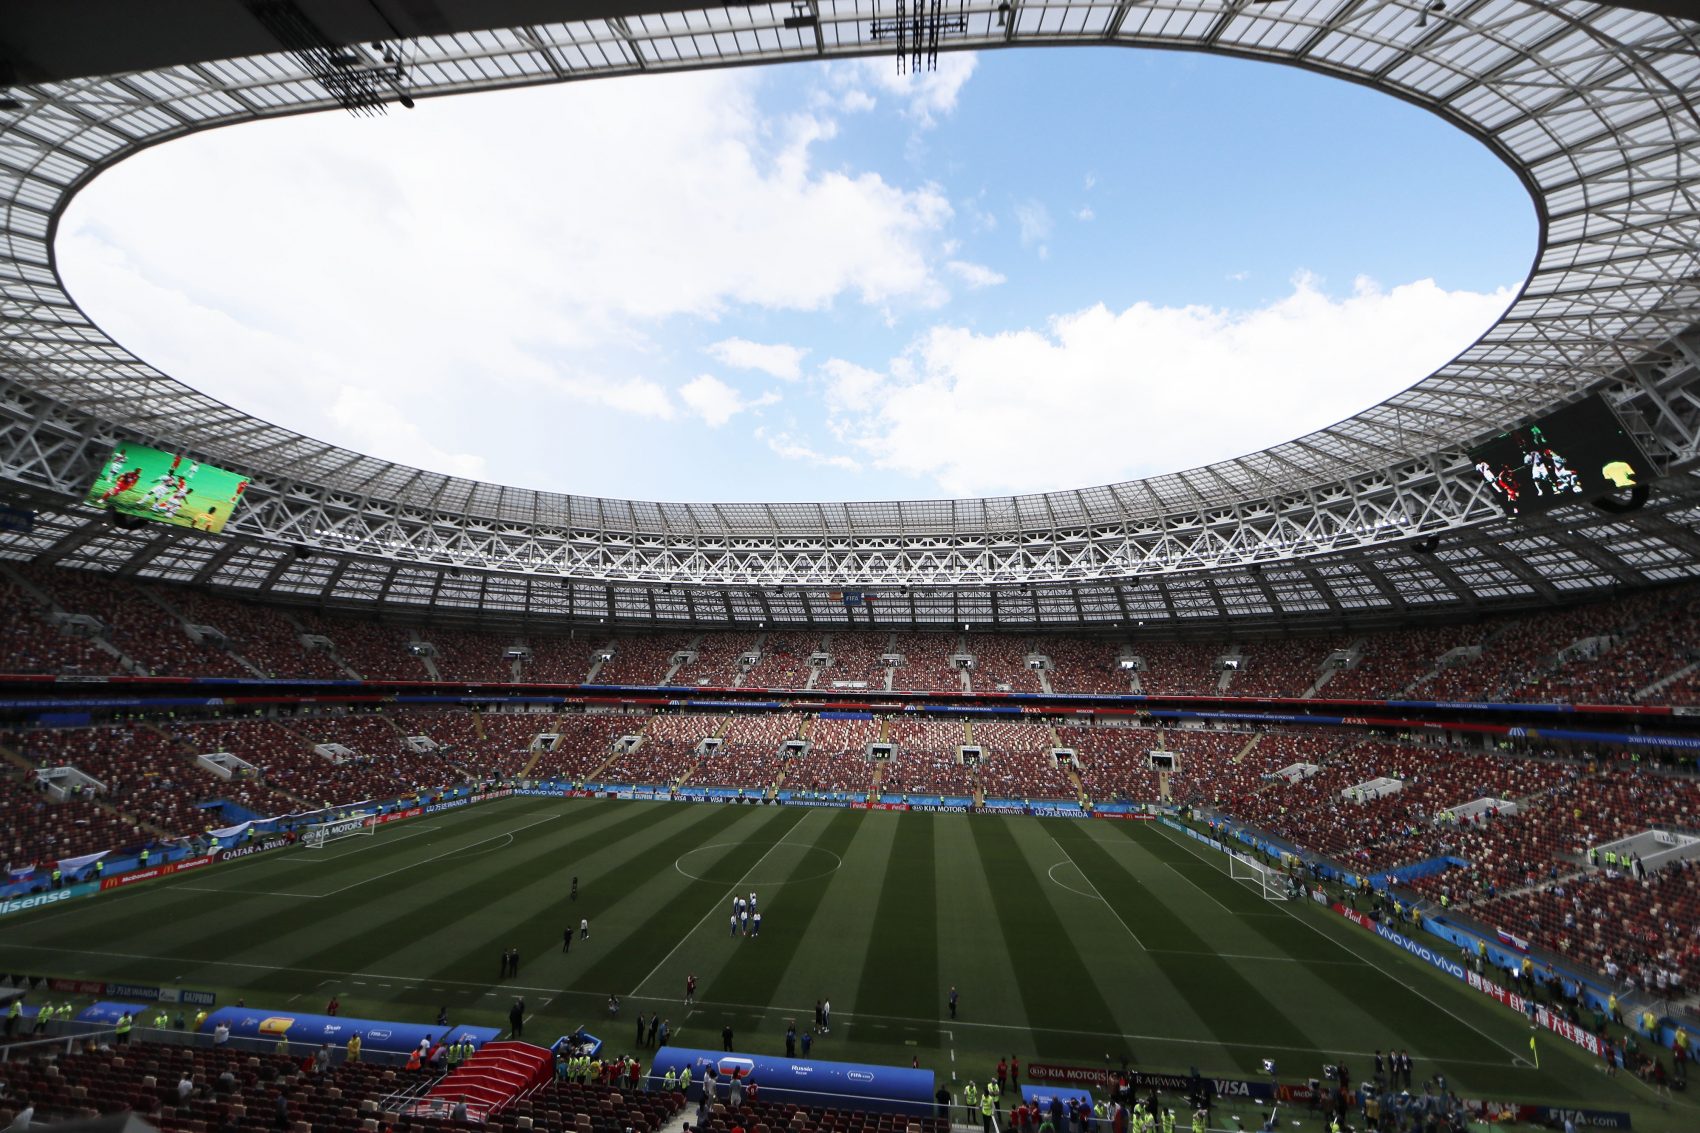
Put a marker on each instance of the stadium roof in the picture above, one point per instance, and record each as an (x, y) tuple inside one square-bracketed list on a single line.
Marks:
[(1588, 103)]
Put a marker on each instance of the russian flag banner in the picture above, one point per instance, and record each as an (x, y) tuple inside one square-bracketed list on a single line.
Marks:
[(1512, 941)]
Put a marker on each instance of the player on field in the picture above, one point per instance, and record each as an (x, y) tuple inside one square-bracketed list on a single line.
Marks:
[(124, 483), (175, 504), (161, 489), (690, 989)]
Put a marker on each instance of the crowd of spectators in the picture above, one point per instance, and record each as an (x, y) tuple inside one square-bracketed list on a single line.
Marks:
[(1180, 668), (38, 831), (858, 659), (749, 752), (719, 660), (641, 659), (926, 663), (1391, 661), (140, 627), (1614, 922), (261, 634), (838, 736), (784, 661), (1085, 665), (668, 750), (1285, 667), (29, 643), (823, 770), (1115, 763), (377, 652), (1572, 810), (469, 655), (144, 775), (1000, 663), (586, 743), (560, 660)]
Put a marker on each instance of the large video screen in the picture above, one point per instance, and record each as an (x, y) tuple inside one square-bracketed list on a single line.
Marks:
[(1574, 454), (167, 487)]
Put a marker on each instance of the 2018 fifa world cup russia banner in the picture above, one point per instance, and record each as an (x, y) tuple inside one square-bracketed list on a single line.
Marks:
[(167, 488)]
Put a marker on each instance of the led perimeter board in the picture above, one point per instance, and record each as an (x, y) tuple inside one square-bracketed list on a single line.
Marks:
[(167, 487), (1574, 454)]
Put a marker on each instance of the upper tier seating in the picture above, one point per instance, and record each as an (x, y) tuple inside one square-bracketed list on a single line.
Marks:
[(926, 663), (138, 625), (784, 661), (1085, 665), (857, 659), (377, 652), (641, 659), (1000, 663), (260, 634)]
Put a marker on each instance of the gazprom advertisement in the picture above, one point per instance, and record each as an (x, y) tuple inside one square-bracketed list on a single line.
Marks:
[(313, 1030), (847, 1085)]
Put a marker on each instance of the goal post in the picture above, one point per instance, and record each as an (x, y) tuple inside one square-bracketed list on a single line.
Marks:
[(1270, 882), (321, 834)]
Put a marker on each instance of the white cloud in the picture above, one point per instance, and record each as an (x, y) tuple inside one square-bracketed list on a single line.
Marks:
[(1033, 221), (527, 273), (783, 444), (1099, 396), (974, 275), (716, 402), (1091, 181), (1084, 213), (378, 425), (1238, 276), (926, 95), (779, 360)]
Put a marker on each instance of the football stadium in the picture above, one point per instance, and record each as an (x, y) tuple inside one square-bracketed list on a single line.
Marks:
[(1348, 783)]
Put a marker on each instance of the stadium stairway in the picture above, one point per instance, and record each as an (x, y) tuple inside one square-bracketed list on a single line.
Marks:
[(496, 1076)]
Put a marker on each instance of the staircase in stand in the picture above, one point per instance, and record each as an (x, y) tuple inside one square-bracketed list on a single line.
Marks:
[(495, 1077)]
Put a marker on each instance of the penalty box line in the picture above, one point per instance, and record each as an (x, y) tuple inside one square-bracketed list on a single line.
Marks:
[(1516, 1059)]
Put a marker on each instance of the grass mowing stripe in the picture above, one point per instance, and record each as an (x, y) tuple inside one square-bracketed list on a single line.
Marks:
[(1431, 1026), (358, 930), (752, 975), (1057, 989), (649, 945), (899, 976), (1217, 991), (647, 851)]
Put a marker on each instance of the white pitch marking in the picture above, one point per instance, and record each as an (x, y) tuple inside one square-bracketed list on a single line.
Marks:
[(1516, 1059), (1095, 891), (437, 857), (720, 905)]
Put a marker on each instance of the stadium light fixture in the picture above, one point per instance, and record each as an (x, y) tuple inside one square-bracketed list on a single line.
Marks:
[(1003, 14), (1433, 6)]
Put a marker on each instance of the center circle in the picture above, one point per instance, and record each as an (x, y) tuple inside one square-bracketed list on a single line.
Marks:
[(772, 869)]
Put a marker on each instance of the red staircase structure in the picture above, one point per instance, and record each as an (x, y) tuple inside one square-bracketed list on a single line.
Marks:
[(497, 1075)]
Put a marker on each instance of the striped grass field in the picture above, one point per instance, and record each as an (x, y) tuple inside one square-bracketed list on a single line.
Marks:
[(1068, 942)]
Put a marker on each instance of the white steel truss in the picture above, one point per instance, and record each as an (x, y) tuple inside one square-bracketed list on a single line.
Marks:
[(1590, 104)]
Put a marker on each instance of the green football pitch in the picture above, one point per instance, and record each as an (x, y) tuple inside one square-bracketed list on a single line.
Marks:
[(1068, 942)]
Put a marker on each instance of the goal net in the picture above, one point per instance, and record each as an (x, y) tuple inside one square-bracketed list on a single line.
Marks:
[(1270, 882), (323, 833)]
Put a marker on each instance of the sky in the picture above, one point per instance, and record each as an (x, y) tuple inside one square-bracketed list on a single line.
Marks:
[(1027, 270)]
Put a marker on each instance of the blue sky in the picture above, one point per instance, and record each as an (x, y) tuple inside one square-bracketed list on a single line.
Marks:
[(1028, 270)]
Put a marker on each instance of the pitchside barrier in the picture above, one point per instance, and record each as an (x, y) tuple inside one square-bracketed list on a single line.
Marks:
[(840, 1085), (311, 1031)]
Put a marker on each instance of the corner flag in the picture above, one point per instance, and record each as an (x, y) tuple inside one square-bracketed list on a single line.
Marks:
[(1534, 1052)]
